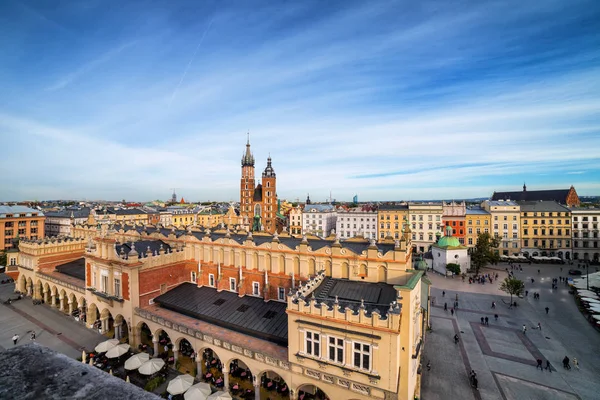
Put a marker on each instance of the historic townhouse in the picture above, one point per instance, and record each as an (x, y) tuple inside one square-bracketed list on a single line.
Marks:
[(391, 220), (506, 218), (545, 229), (426, 223), (453, 215), (318, 219), (19, 222), (586, 234), (477, 220), (337, 320), (295, 221), (59, 223), (356, 222)]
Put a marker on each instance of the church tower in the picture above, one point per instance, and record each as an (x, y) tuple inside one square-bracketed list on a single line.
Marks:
[(247, 186), (269, 189)]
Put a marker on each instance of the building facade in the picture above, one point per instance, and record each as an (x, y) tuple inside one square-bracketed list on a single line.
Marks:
[(59, 223), (426, 222), (477, 221), (586, 234), (295, 218), (453, 215), (449, 250), (258, 203), (18, 222), (318, 219), (356, 222), (188, 289), (545, 229), (392, 218), (506, 222)]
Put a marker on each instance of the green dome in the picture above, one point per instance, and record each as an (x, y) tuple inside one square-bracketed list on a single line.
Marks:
[(421, 264), (448, 241)]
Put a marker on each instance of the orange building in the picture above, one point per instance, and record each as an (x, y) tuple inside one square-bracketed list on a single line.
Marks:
[(258, 203), (20, 222), (453, 215)]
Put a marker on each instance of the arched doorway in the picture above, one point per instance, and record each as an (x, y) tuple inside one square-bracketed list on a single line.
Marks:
[(212, 368), (47, 293), (144, 337), (55, 298), (93, 317), (163, 347), (37, 290), (29, 287), (241, 379), (22, 284), (107, 323), (82, 308), (186, 357), (121, 329), (586, 256), (596, 256), (272, 385), (311, 392), (63, 301), (73, 306)]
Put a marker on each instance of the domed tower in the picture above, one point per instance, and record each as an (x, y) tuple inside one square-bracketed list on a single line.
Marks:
[(247, 184), (269, 188)]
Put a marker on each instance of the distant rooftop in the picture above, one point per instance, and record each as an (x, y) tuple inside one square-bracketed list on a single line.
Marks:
[(392, 207), (19, 211), (476, 211), (549, 206), (319, 208), (503, 203), (32, 371), (68, 213)]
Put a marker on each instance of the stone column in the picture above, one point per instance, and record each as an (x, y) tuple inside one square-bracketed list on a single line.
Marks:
[(70, 308), (175, 355), (104, 324), (53, 300), (118, 331), (226, 380), (155, 342), (293, 395), (257, 391), (198, 366)]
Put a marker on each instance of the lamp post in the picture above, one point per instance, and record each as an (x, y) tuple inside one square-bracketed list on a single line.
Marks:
[(587, 279)]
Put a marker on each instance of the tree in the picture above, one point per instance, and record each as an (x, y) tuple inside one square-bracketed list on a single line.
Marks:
[(484, 251), (453, 268), (512, 286)]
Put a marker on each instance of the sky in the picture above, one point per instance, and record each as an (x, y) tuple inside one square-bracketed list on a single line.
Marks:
[(389, 100)]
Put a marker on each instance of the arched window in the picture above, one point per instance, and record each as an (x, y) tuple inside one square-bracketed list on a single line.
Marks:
[(268, 184), (257, 210)]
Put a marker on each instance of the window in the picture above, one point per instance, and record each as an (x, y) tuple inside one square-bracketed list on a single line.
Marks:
[(312, 344), (336, 349), (104, 283), (211, 280), (280, 293), (255, 289), (232, 284), (525, 242), (117, 288), (193, 277), (470, 241), (362, 356)]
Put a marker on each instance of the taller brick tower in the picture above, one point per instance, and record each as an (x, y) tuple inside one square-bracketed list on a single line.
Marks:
[(247, 186)]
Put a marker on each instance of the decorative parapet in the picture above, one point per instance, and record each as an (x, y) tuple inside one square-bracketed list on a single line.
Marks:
[(50, 245), (193, 332), (60, 282)]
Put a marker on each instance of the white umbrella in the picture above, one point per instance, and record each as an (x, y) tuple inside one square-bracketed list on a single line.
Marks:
[(136, 361), (83, 357), (199, 391), (151, 366), (117, 351), (127, 379), (596, 317), (219, 396), (106, 345), (180, 384)]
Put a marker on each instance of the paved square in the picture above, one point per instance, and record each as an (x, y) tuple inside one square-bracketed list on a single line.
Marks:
[(506, 343), (514, 389)]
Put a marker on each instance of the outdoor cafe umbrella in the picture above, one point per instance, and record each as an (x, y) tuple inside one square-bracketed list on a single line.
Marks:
[(136, 360), (151, 366), (180, 384), (199, 391), (117, 351), (91, 361), (106, 345), (219, 396)]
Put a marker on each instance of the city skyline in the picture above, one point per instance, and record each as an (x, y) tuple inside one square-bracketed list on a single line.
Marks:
[(390, 101)]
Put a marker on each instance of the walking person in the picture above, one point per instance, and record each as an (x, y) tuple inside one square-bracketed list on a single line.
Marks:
[(496, 317), (482, 321), (539, 326), (493, 304), (445, 306), (566, 363), (32, 336), (428, 365), (487, 321), (548, 366), (456, 339), (15, 339), (443, 293), (452, 311), (539, 365), (547, 309), (576, 363), (524, 329)]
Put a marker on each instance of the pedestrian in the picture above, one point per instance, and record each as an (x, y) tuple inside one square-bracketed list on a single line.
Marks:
[(539, 365), (548, 367), (445, 306), (524, 329), (532, 280), (539, 326), (566, 363), (547, 309), (32, 335), (493, 304), (443, 293), (496, 317), (456, 339), (576, 363), (526, 293), (452, 311), (482, 321), (428, 365), (15, 338), (487, 321)]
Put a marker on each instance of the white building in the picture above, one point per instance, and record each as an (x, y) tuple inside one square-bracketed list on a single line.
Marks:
[(506, 222), (448, 250), (59, 223), (425, 222), (295, 221), (586, 235), (318, 219), (356, 222)]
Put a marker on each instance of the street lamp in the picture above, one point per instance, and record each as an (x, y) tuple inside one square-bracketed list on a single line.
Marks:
[(587, 279)]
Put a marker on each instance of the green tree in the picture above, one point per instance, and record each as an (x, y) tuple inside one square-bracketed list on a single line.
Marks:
[(453, 268), (485, 251), (512, 286)]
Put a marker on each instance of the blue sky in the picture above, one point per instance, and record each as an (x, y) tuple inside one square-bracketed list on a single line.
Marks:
[(387, 99)]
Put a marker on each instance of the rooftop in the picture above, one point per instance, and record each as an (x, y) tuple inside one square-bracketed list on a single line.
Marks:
[(75, 269), (319, 208), (559, 195), (477, 211), (76, 213), (33, 371), (19, 211), (125, 211), (376, 296), (249, 315), (503, 203), (142, 246), (551, 206)]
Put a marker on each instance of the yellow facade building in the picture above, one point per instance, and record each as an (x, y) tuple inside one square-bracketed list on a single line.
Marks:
[(545, 229), (477, 220), (391, 220)]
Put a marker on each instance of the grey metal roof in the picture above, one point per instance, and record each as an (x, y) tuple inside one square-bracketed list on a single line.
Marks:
[(477, 211), (75, 269), (249, 315), (350, 293), (126, 211), (77, 213), (391, 207), (503, 203), (141, 246), (559, 195), (22, 211), (547, 206)]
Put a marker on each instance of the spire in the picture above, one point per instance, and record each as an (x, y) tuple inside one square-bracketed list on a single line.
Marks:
[(248, 158), (524, 187), (269, 172)]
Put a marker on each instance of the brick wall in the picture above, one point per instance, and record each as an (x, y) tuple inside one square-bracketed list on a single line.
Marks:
[(170, 275), (50, 262), (88, 275), (125, 278)]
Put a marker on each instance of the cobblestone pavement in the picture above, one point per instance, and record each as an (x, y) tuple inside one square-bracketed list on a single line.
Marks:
[(53, 328), (503, 357)]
